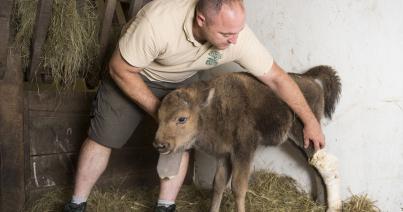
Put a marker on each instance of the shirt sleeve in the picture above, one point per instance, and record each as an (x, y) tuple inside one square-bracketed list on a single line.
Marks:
[(138, 45), (252, 55)]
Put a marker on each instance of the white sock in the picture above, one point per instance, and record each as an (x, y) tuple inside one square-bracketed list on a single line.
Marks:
[(165, 203), (78, 200)]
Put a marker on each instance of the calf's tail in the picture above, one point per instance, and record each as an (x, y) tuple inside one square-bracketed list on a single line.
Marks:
[(327, 77)]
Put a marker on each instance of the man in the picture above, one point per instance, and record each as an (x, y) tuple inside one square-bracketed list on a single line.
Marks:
[(169, 41)]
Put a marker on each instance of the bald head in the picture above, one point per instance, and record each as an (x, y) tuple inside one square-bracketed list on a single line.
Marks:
[(211, 8), (219, 22)]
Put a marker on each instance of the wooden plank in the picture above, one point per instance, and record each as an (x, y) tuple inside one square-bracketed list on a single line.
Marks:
[(42, 22), (12, 196), (5, 13), (52, 170), (58, 170), (61, 102), (51, 133), (27, 158)]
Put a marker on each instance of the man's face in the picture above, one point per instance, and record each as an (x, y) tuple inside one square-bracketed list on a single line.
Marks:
[(223, 29)]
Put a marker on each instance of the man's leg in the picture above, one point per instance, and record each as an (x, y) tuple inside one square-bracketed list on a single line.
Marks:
[(169, 188), (91, 164), (114, 118)]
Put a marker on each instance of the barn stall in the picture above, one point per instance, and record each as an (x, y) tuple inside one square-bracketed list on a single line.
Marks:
[(47, 96), (42, 125)]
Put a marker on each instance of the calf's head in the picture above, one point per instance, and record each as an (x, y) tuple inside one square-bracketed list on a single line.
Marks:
[(178, 118)]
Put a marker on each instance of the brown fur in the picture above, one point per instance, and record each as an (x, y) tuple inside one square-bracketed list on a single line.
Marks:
[(231, 115)]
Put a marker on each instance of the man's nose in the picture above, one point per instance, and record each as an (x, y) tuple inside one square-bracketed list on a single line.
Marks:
[(233, 39)]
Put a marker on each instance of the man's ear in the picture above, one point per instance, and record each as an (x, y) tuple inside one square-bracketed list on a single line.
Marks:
[(209, 97), (200, 19)]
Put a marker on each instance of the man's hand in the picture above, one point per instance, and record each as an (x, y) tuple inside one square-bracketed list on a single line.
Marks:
[(313, 133)]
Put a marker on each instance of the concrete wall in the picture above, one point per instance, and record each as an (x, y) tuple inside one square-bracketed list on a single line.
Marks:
[(363, 41)]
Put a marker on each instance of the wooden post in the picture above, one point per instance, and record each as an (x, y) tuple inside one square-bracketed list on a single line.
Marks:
[(12, 196), (5, 13), (43, 15), (120, 14)]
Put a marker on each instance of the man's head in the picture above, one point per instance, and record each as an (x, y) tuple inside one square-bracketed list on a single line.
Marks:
[(219, 21)]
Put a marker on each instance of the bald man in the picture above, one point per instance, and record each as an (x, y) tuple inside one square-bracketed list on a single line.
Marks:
[(161, 50)]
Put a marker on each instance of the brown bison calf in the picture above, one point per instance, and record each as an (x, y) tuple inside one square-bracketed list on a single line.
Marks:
[(231, 115)]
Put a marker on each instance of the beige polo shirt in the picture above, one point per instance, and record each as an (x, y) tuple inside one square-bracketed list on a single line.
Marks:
[(160, 40)]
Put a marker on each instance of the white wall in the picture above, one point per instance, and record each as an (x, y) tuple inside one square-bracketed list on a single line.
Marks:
[(363, 41)]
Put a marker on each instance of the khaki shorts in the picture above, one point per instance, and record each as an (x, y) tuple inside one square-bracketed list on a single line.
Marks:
[(114, 116)]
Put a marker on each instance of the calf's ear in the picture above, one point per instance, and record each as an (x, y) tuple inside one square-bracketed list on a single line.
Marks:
[(209, 97)]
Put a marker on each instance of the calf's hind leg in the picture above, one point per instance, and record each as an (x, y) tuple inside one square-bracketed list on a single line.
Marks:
[(221, 179), (327, 166), (240, 179)]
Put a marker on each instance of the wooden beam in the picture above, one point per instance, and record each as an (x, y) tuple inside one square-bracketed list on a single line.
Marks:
[(5, 13), (56, 132), (53, 101), (43, 15), (120, 14), (12, 196)]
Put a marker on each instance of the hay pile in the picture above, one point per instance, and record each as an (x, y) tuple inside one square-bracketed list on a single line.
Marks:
[(71, 47), (271, 192), (360, 203), (267, 192)]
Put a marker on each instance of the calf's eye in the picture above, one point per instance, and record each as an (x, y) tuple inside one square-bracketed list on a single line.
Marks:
[(182, 120)]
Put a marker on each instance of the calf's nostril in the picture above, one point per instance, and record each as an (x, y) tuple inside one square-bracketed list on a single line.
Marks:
[(160, 146)]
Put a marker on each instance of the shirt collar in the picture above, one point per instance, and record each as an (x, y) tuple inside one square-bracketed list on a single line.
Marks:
[(188, 25)]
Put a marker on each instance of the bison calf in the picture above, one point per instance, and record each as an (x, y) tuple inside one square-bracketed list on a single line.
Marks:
[(231, 115)]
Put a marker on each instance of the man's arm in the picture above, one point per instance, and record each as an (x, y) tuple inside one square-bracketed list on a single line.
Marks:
[(128, 78), (282, 84)]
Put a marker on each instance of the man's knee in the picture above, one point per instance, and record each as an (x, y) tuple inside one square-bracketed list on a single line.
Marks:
[(91, 145)]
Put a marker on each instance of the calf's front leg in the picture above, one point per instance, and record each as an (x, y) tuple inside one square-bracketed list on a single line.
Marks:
[(221, 179)]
